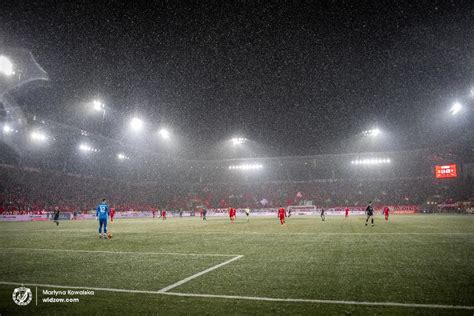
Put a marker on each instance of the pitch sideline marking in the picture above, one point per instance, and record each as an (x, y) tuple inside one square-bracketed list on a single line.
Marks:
[(250, 298), (122, 252), (105, 289), (172, 286), (303, 300), (262, 233)]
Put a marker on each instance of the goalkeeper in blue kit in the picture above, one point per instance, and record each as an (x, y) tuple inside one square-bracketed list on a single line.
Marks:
[(102, 213)]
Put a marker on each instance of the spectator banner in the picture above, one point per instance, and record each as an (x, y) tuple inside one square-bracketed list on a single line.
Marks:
[(134, 214), (403, 209), (23, 218)]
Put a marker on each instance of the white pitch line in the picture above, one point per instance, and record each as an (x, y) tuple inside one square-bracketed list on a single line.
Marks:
[(303, 300), (172, 286), (260, 233), (315, 234), (250, 298), (106, 289), (123, 252)]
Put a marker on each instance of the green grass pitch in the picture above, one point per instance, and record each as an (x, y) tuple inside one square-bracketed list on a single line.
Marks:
[(322, 267)]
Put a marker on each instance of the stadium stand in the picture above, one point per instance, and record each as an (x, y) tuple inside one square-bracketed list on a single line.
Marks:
[(35, 190)]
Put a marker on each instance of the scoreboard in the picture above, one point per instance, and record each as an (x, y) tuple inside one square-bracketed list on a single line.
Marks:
[(446, 171)]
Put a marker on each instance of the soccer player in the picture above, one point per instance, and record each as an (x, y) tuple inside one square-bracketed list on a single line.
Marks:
[(323, 216), (112, 214), (370, 213), (232, 215), (56, 216), (385, 212), (247, 212), (163, 214), (347, 212), (153, 211), (282, 215), (204, 212), (102, 213)]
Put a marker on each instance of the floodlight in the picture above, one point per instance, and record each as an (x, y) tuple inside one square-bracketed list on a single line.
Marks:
[(371, 161), (136, 124), (84, 147), (238, 140), (456, 108), (7, 129), (122, 156), (246, 167), (164, 133), (38, 136), (87, 148), (6, 66), (98, 106), (371, 132)]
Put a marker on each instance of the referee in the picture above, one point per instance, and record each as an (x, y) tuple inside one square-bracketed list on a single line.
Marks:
[(369, 211)]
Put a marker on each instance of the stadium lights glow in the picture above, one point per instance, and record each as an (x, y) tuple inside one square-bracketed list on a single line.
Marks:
[(98, 106), (371, 161), (7, 129), (38, 136), (6, 67), (136, 124), (246, 167), (238, 140), (121, 156), (371, 132), (456, 108), (87, 148), (164, 133)]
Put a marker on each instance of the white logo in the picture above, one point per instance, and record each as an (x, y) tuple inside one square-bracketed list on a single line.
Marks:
[(22, 296)]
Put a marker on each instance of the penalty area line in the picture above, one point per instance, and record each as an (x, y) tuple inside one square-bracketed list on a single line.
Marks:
[(185, 280), (249, 298)]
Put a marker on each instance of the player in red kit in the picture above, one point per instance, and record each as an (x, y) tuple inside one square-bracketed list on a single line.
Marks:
[(112, 214), (163, 214), (347, 212), (281, 215), (232, 214), (153, 211), (385, 212)]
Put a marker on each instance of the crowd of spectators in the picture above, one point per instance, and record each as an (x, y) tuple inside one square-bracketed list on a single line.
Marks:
[(25, 190)]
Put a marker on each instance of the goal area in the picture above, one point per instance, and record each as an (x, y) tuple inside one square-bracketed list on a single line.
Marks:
[(302, 209)]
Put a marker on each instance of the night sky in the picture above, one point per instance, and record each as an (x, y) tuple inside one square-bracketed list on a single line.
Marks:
[(294, 77)]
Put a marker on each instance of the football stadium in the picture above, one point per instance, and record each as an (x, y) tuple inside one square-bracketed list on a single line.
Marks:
[(237, 158)]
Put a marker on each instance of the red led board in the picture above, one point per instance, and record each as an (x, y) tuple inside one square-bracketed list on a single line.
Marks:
[(446, 171)]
